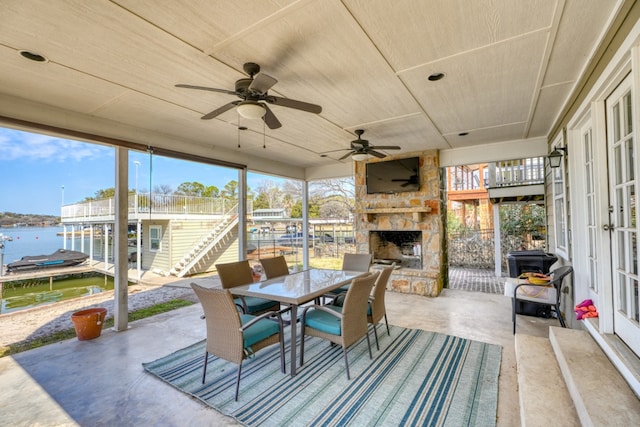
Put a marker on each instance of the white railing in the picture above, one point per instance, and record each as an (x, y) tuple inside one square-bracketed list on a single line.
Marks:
[(516, 172), (145, 204)]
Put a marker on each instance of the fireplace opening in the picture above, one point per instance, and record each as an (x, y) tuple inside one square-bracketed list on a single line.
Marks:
[(404, 248)]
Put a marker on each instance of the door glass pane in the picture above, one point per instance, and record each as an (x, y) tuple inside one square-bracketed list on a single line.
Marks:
[(618, 163), (635, 300), (622, 295), (630, 160), (633, 237), (621, 251), (619, 208), (628, 121), (615, 120)]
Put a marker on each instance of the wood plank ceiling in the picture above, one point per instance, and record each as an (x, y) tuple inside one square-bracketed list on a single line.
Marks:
[(112, 67)]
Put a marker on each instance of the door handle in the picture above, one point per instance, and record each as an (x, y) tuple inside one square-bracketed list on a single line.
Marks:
[(608, 227)]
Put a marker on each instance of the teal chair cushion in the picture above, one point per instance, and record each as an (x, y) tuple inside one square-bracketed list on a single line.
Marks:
[(324, 322), (259, 331), (341, 290), (255, 304)]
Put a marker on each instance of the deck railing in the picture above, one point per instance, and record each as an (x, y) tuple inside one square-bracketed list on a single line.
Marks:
[(516, 172), (143, 205)]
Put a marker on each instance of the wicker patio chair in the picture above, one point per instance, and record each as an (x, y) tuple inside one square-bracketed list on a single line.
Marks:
[(233, 336), (548, 294), (377, 309), (351, 262), (341, 325), (275, 267), (240, 273)]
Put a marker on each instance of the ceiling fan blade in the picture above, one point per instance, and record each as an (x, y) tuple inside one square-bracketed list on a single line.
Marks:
[(387, 147), (262, 83), (333, 151), (220, 110), (292, 103), (211, 89), (270, 119), (375, 153), (346, 155)]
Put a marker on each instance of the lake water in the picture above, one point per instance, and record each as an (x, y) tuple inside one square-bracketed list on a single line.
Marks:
[(29, 241)]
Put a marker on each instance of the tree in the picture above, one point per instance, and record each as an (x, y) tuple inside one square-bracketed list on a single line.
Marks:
[(341, 190), (333, 208), (271, 192), (211, 191), (163, 189), (105, 193), (230, 190), (261, 202), (194, 189)]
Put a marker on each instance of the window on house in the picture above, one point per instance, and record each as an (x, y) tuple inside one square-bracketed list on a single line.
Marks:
[(155, 238), (560, 206)]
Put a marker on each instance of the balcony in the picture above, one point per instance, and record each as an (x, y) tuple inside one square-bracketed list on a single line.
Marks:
[(150, 206)]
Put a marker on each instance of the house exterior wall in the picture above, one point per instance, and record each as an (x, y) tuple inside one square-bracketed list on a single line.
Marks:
[(179, 237), (618, 62)]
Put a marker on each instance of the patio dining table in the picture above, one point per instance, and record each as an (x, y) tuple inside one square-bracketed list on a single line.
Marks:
[(296, 289)]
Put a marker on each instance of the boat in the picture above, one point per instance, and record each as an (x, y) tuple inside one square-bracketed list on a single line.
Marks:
[(60, 258)]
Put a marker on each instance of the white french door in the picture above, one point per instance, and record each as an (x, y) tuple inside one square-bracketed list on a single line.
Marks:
[(623, 224)]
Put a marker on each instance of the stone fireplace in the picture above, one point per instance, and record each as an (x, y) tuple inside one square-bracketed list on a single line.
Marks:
[(402, 248), (405, 227)]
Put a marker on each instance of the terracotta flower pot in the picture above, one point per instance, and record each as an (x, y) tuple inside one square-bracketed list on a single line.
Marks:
[(88, 323)]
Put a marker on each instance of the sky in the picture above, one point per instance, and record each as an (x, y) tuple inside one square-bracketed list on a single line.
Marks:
[(40, 172)]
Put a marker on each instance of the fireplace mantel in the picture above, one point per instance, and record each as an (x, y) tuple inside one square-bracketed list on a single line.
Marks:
[(417, 212)]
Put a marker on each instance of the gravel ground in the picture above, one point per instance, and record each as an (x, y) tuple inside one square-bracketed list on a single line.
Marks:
[(26, 325)]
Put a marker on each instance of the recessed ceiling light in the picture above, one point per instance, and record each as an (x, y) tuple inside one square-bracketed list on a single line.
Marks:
[(463, 134), (435, 77), (33, 56)]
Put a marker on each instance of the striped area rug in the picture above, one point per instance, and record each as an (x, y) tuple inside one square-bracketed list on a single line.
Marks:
[(417, 378)]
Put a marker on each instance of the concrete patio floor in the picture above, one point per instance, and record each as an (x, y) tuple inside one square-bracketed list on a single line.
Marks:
[(101, 382)]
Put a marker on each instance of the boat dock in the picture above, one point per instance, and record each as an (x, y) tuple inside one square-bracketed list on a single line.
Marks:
[(52, 273)]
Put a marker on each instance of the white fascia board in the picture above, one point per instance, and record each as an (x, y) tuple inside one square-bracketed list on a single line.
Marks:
[(488, 153)]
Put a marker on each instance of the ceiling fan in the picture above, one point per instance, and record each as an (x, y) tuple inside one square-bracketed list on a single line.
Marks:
[(254, 99), (361, 149)]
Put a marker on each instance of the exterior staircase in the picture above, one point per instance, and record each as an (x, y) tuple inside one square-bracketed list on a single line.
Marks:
[(208, 242), (568, 380)]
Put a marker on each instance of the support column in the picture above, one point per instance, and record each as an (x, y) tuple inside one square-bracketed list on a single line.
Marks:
[(73, 237), (105, 236), (497, 240), (120, 241), (91, 243), (242, 213), (305, 225), (138, 246)]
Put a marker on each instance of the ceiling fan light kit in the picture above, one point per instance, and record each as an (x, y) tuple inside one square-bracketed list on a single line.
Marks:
[(359, 157), (251, 110)]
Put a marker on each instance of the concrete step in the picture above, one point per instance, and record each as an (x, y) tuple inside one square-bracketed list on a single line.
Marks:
[(600, 394), (544, 398)]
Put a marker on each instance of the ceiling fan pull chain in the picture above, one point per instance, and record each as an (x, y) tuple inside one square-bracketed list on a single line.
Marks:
[(264, 136)]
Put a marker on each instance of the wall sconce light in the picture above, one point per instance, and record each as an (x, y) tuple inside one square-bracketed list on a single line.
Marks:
[(555, 157)]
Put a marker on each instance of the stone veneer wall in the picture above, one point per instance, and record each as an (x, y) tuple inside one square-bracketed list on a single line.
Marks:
[(429, 280)]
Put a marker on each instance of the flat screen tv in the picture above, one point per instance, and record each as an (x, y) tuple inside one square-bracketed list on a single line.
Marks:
[(393, 176)]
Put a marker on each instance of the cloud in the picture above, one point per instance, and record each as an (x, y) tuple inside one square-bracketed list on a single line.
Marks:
[(16, 145)]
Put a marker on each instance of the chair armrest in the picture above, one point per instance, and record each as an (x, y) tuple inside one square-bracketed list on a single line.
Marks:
[(244, 303), (266, 315), (322, 308)]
